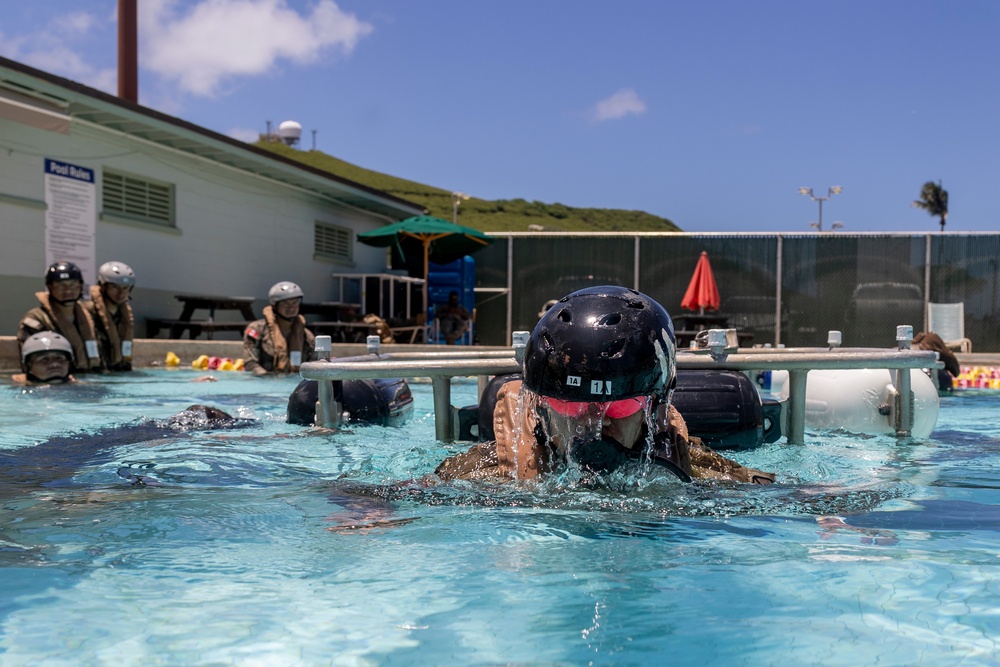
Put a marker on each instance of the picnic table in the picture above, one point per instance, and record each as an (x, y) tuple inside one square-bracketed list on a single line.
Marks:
[(198, 302), (344, 332), (326, 311)]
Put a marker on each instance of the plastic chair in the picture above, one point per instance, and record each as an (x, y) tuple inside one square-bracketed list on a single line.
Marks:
[(948, 321)]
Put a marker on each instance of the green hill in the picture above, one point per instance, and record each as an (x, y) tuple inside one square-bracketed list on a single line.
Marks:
[(499, 215)]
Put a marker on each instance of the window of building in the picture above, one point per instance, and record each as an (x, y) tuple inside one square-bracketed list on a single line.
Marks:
[(333, 242), (138, 199)]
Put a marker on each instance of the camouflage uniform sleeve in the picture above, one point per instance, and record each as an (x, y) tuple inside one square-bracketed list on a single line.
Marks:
[(33, 322), (706, 463), (478, 462), (309, 353), (254, 358)]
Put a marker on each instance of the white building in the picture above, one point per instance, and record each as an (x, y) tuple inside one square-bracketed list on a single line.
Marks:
[(88, 177)]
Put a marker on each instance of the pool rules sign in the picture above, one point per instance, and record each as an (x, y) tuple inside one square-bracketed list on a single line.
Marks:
[(70, 216)]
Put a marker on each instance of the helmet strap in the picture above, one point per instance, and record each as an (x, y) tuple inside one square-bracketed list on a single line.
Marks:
[(34, 378)]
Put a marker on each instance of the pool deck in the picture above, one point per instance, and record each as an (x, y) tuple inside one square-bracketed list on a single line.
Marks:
[(152, 352)]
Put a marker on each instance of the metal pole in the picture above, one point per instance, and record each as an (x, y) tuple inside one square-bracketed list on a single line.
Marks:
[(327, 409), (927, 281), (777, 292), (797, 407), (442, 408), (510, 288), (635, 265)]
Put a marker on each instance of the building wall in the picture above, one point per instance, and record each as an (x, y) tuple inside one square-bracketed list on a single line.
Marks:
[(237, 234)]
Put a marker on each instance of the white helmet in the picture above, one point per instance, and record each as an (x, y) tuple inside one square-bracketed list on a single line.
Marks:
[(43, 342), (116, 273), (283, 291)]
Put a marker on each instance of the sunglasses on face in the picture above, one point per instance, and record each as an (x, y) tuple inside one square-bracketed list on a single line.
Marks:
[(625, 407)]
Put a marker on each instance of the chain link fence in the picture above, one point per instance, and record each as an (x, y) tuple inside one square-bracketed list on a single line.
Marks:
[(786, 289)]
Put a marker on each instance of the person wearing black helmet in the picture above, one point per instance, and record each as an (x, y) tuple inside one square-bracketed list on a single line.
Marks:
[(60, 310), (46, 358), (111, 312), (280, 341), (598, 374)]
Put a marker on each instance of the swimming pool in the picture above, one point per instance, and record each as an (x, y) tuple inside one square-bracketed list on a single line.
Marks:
[(230, 561)]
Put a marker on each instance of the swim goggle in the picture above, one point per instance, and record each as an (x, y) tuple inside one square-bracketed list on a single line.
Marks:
[(620, 409)]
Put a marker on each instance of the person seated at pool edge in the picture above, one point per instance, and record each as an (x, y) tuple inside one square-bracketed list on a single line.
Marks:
[(46, 358), (453, 318), (111, 312), (596, 365), (60, 310), (349, 313), (928, 340), (279, 342)]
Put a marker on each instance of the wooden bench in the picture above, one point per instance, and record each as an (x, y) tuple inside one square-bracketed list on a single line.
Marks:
[(193, 327)]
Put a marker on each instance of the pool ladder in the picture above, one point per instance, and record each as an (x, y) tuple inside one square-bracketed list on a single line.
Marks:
[(717, 350)]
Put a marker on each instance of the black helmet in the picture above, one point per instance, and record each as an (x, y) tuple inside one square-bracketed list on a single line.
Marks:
[(602, 344), (63, 271)]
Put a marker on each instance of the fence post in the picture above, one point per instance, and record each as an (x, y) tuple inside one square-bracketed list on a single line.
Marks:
[(777, 291)]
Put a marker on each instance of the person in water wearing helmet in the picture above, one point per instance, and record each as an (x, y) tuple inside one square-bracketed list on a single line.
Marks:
[(598, 373), (279, 342), (60, 310), (35, 466), (46, 358), (111, 312)]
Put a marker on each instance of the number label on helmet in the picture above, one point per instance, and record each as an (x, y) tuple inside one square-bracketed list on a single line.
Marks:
[(600, 387)]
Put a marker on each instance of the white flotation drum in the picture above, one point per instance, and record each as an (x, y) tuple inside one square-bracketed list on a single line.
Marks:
[(862, 400)]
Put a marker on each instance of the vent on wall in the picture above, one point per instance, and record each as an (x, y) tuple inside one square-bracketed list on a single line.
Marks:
[(138, 198), (333, 242)]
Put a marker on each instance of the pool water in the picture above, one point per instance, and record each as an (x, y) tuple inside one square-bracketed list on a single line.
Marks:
[(870, 550)]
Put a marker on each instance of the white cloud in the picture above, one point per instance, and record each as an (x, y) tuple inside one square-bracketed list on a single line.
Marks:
[(56, 48), (216, 40), (79, 23), (626, 101)]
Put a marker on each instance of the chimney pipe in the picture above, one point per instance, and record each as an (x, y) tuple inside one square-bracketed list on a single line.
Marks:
[(128, 51)]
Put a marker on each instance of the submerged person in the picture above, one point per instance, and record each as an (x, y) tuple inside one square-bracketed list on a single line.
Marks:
[(61, 456), (598, 373), (280, 341), (46, 358), (60, 310), (112, 314)]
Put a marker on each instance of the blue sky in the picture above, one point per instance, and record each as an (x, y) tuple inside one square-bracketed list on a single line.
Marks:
[(712, 114)]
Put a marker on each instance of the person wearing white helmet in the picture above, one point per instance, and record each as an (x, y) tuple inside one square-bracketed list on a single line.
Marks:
[(111, 311), (60, 310), (280, 341), (46, 358)]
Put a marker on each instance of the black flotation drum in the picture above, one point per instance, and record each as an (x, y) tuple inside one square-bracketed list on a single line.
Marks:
[(384, 401)]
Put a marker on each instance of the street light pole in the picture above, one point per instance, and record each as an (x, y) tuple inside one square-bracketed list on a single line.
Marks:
[(834, 190), (456, 199)]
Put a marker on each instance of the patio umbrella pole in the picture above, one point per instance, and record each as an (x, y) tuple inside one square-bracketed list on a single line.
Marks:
[(427, 305)]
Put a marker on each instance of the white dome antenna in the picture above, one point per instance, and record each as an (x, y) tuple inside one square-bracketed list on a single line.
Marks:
[(290, 132)]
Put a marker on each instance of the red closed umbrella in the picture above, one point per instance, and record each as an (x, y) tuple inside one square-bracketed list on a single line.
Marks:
[(702, 293)]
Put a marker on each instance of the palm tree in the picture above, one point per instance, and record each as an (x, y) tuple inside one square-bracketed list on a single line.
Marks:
[(934, 200)]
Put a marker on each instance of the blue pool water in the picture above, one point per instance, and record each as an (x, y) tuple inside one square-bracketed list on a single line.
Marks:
[(870, 551)]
